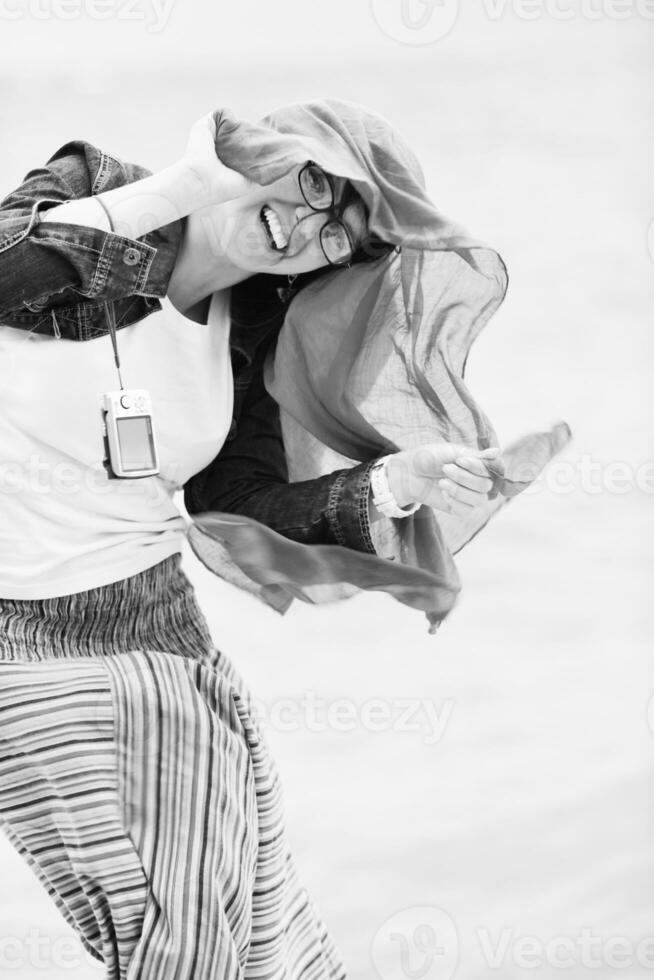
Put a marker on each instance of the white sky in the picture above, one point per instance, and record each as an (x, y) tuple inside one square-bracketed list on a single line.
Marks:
[(39, 34)]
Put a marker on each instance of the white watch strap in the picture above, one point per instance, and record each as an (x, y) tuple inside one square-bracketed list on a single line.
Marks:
[(382, 495)]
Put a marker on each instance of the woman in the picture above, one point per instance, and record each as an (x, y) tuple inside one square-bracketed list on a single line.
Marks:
[(133, 778)]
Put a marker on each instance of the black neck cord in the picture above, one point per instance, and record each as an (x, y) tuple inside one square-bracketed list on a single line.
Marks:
[(109, 309)]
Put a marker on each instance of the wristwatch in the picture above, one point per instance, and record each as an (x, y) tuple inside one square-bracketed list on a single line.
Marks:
[(382, 495)]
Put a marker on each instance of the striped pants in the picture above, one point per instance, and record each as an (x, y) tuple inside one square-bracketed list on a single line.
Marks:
[(135, 783)]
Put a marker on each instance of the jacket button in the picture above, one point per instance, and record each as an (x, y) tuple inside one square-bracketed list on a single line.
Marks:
[(131, 256)]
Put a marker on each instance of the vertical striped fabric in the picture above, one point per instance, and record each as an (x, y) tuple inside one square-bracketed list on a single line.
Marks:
[(136, 784)]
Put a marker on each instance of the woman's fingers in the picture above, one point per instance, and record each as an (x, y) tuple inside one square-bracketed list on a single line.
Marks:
[(449, 477), (474, 464), (451, 504), (467, 481), (469, 473), (469, 498)]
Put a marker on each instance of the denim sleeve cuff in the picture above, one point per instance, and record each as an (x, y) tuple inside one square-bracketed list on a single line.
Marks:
[(347, 508), (136, 267), (112, 266)]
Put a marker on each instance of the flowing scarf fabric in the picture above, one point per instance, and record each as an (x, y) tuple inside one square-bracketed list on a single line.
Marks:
[(371, 360)]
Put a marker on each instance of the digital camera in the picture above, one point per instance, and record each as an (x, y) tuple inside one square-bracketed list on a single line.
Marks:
[(128, 432)]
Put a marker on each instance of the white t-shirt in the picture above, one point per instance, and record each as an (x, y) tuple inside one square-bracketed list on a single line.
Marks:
[(64, 525)]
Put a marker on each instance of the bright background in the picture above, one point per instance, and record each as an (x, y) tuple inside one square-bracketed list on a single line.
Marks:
[(531, 814)]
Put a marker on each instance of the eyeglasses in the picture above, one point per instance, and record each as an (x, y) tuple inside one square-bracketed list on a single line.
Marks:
[(318, 191)]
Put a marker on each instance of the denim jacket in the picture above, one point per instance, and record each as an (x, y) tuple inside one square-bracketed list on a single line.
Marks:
[(56, 278)]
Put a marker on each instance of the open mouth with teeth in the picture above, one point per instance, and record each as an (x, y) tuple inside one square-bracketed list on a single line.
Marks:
[(277, 238)]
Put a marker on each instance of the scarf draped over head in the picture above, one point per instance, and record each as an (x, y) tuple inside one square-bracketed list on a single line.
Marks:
[(371, 360)]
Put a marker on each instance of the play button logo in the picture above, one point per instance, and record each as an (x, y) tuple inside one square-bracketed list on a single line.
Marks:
[(416, 21)]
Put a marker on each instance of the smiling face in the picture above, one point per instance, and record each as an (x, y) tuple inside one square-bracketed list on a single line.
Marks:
[(273, 229)]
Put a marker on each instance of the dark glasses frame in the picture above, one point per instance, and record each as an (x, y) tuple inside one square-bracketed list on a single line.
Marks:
[(348, 195)]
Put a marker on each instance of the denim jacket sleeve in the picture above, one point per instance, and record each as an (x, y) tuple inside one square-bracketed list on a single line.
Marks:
[(250, 477), (57, 265)]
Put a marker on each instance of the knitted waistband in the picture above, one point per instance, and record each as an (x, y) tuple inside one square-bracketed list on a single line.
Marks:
[(154, 610)]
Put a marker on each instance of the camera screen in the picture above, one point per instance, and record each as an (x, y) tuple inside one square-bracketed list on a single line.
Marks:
[(136, 444)]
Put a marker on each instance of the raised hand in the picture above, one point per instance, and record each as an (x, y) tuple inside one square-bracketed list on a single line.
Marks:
[(218, 182)]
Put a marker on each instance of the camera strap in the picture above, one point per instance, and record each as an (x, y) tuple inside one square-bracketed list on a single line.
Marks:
[(109, 312), (109, 307)]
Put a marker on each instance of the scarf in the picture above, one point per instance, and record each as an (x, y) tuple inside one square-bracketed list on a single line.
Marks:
[(371, 360)]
